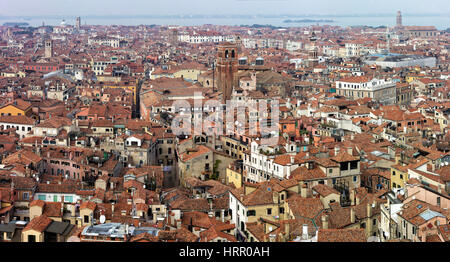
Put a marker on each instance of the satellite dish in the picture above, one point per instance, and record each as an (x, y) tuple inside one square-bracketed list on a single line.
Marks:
[(102, 219)]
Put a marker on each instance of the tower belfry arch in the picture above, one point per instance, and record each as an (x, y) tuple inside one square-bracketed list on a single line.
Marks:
[(227, 63)]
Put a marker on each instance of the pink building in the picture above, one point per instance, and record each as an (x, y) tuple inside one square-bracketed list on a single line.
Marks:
[(427, 194)]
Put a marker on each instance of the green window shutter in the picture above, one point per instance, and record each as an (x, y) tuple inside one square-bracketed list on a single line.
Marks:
[(55, 198), (42, 197)]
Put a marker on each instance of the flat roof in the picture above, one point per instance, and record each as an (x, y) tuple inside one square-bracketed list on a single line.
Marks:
[(395, 57)]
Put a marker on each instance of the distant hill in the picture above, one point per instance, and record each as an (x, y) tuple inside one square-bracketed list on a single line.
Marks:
[(15, 24), (309, 21)]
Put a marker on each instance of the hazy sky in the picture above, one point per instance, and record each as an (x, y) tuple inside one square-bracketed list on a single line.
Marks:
[(167, 7)]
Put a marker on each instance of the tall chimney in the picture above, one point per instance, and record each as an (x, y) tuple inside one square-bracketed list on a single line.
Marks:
[(304, 191), (369, 210), (350, 150), (325, 222), (305, 231), (287, 230), (352, 197), (275, 198), (352, 215)]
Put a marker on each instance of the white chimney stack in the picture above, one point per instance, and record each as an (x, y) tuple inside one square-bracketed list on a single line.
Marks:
[(305, 232)]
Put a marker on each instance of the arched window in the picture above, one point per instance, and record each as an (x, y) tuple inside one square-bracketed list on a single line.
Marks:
[(226, 53), (232, 53)]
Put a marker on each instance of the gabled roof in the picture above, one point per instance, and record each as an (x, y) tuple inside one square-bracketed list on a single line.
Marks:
[(21, 120), (198, 151), (325, 190), (23, 156), (303, 207), (38, 224), (61, 228), (18, 103)]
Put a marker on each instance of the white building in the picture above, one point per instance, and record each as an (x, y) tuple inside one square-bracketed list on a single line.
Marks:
[(238, 211), (22, 124), (293, 45), (205, 38), (263, 163), (353, 49), (381, 90), (108, 41)]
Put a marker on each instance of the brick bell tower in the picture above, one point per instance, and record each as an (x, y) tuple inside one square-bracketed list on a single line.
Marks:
[(227, 64)]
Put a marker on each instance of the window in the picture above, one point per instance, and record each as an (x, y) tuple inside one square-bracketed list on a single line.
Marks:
[(26, 196), (269, 211), (374, 222), (41, 197), (363, 225), (355, 178), (414, 230), (438, 201), (86, 219), (31, 238), (281, 210), (401, 176), (354, 165), (68, 198)]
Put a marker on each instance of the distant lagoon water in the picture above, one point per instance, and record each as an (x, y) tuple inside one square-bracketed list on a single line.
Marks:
[(441, 22)]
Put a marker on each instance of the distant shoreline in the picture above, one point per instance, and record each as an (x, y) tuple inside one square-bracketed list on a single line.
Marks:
[(15, 24), (309, 21)]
